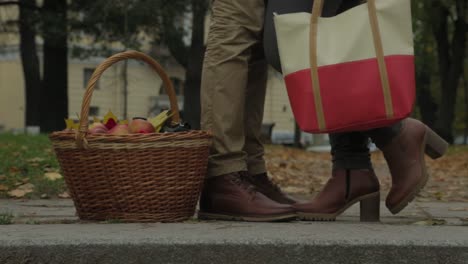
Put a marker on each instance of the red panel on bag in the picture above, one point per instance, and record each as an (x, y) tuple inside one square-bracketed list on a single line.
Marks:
[(352, 94)]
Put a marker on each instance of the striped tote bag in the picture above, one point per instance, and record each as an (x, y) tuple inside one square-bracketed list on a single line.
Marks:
[(351, 72)]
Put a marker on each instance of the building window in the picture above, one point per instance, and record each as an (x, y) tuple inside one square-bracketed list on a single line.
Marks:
[(93, 111), (87, 73), (178, 87)]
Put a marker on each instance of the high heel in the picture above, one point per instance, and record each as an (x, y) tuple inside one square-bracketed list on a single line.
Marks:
[(370, 208), (435, 146)]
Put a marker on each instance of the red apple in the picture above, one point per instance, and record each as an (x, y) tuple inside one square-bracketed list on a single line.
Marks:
[(119, 130), (97, 128), (142, 126)]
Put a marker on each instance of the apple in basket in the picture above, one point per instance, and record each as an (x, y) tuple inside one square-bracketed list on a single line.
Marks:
[(97, 128), (140, 125), (119, 130)]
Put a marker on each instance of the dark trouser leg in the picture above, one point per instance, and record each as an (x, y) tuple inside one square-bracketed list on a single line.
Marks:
[(383, 136), (350, 151), (254, 106)]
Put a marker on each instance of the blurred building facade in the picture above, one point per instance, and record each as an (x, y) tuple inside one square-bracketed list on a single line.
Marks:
[(146, 95)]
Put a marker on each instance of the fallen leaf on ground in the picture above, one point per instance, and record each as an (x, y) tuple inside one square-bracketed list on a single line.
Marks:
[(52, 176), (439, 195), (64, 195), (14, 169), (292, 189), (21, 182), (2, 177), (21, 191), (3, 188), (431, 222), (37, 159), (424, 200), (458, 209), (50, 169), (311, 170)]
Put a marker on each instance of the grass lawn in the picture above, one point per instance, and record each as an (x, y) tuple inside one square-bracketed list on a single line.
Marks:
[(24, 161)]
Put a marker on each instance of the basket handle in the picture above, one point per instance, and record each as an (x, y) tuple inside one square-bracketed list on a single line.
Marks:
[(131, 54)]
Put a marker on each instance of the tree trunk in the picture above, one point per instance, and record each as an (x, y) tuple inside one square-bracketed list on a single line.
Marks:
[(54, 106), (465, 138), (427, 106), (30, 61), (195, 65), (451, 58)]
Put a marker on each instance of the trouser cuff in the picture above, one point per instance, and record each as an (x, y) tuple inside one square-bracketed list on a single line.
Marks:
[(215, 169), (256, 168)]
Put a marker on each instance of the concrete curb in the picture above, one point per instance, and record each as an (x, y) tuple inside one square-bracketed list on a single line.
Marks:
[(226, 242)]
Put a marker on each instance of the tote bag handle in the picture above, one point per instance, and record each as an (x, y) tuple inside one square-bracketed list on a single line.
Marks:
[(316, 13)]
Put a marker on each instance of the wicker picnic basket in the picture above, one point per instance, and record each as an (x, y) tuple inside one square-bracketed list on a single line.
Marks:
[(136, 177)]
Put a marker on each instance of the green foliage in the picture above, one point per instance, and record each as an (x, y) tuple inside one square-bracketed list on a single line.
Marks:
[(129, 23), (6, 218), (428, 19)]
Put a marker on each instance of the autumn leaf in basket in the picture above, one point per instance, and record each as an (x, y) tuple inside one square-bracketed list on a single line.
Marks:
[(110, 120), (70, 125)]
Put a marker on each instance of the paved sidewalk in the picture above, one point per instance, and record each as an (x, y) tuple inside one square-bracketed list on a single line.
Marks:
[(63, 212), (423, 233)]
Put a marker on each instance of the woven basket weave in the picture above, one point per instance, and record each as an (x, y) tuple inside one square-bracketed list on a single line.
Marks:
[(136, 177)]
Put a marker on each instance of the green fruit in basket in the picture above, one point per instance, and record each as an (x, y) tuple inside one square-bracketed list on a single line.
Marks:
[(140, 125), (159, 121)]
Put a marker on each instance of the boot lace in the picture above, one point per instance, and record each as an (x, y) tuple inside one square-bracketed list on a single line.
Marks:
[(266, 182), (243, 181)]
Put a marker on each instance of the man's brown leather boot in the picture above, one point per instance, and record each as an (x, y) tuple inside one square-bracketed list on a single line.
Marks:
[(264, 185), (405, 158), (233, 197), (345, 188)]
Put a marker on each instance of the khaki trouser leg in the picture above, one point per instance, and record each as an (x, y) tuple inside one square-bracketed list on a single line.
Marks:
[(235, 28), (254, 108)]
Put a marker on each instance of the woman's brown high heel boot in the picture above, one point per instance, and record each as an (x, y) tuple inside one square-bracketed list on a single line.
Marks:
[(345, 188), (405, 157)]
